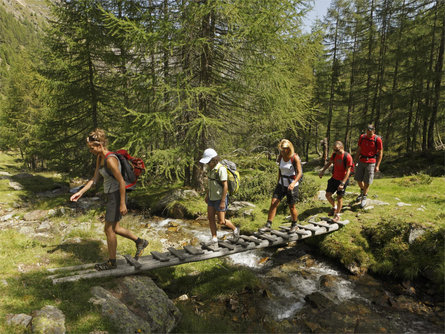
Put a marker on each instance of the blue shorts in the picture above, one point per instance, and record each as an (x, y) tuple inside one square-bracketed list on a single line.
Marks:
[(216, 204)]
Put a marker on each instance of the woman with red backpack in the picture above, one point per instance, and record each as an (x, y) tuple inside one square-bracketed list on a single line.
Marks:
[(290, 173), (114, 187)]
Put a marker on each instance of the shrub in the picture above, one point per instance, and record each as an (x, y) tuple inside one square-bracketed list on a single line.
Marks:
[(415, 180)]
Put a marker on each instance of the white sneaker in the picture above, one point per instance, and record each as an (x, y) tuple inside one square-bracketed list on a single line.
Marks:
[(236, 234), (364, 201)]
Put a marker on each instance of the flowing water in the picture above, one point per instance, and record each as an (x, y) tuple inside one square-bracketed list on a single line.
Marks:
[(303, 292)]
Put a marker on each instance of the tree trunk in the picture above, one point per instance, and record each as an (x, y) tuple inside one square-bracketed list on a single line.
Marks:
[(333, 81), (437, 83)]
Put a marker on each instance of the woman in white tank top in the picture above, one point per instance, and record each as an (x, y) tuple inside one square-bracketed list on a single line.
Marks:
[(289, 177)]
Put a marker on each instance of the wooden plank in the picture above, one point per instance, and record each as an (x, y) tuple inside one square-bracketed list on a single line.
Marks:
[(251, 239), (299, 232), (132, 261), (280, 234), (266, 237), (226, 245), (306, 227), (180, 254), (210, 246), (193, 250), (241, 242), (160, 256), (321, 224)]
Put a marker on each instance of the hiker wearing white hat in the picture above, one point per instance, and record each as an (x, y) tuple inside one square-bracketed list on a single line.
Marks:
[(217, 195)]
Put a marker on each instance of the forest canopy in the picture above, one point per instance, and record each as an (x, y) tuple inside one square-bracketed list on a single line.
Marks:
[(167, 79)]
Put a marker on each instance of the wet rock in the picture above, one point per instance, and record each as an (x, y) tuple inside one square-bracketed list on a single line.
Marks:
[(48, 320), (328, 281), (118, 313), (356, 270), (22, 320), (35, 215), (319, 300), (166, 201), (238, 208)]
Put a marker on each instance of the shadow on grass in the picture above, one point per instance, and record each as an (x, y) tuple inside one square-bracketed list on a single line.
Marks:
[(314, 211), (87, 251)]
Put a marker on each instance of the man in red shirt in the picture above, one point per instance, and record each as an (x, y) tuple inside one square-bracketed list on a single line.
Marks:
[(369, 156), (343, 164)]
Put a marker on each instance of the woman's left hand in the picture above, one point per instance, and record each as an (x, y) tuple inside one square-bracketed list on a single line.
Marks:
[(291, 187)]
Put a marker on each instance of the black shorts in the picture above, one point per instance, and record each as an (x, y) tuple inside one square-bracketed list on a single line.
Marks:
[(113, 212), (281, 191), (333, 187)]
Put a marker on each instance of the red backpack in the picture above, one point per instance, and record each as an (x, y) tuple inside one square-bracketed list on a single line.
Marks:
[(131, 167)]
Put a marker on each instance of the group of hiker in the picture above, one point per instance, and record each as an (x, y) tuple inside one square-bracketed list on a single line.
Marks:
[(290, 175)]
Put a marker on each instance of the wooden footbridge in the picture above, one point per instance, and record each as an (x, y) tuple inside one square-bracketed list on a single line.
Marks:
[(261, 239)]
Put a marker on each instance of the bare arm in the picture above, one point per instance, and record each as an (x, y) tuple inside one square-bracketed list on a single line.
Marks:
[(89, 184), (225, 185), (379, 160), (326, 166)]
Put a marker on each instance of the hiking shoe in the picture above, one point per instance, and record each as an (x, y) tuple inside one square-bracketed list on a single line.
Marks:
[(213, 242), (359, 197), (108, 265), (140, 246), (236, 234), (293, 228), (364, 201), (332, 212), (266, 227)]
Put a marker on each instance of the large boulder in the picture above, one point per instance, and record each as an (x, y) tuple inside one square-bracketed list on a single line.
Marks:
[(48, 320), (124, 320), (171, 203), (141, 307)]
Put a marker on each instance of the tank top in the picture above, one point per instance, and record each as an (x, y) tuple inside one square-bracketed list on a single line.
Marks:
[(110, 183)]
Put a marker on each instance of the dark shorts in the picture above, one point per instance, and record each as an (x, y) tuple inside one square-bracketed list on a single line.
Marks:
[(215, 204), (113, 214), (281, 191), (333, 187)]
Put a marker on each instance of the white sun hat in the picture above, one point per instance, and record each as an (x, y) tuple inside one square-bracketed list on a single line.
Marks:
[(208, 155)]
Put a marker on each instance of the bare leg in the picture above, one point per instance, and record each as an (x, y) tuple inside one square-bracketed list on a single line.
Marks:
[(293, 212), (273, 209), (211, 217), (330, 199), (122, 231), (365, 188), (339, 204), (111, 240), (221, 220)]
